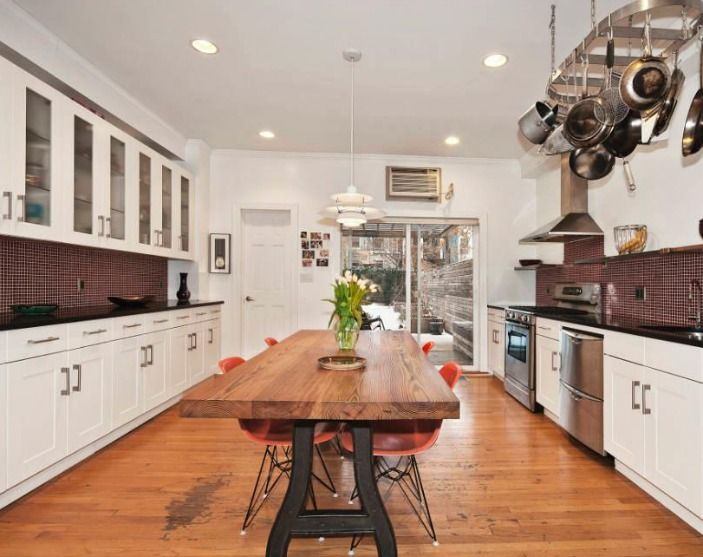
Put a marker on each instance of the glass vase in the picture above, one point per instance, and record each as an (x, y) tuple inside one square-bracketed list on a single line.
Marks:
[(347, 333)]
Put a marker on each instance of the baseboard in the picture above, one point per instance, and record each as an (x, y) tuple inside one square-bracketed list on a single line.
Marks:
[(679, 510), (551, 416), (33, 482)]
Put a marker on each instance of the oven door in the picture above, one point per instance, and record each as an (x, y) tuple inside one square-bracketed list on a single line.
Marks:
[(519, 354)]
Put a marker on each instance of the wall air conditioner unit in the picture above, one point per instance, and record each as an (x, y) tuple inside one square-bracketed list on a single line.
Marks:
[(413, 184)]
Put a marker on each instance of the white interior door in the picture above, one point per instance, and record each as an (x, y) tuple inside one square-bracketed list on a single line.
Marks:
[(268, 277)]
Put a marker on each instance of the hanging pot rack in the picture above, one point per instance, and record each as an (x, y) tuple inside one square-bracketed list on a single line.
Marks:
[(627, 30)]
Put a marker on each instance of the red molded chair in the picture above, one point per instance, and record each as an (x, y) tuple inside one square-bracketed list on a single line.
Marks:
[(405, 439), (275, 434), (427, 347), (270, 341)]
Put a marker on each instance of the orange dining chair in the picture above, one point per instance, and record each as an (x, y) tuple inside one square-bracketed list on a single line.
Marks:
[(427, 347), (270, 341), (405, 439), (277, 436)]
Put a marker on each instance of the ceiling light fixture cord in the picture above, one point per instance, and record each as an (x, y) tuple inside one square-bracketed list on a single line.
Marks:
[(351, 127)]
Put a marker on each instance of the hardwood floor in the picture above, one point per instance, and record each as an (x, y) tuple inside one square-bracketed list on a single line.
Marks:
[(501, 483)]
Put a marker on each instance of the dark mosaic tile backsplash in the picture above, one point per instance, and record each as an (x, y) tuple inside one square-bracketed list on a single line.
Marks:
[(46, 272), (665, 278)]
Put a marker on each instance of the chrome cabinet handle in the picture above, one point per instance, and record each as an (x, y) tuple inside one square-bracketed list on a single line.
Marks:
[(195, 341), (635, 405), (132, 326), (101, 220), (8, 196), (42, 341), (201, 314), (79, 382), (150, 352), (95, 332), (20, 214), (645, 410), (211, 332), (144, 362), (108, 223), (67, 390), (190, 342), (159, 321), (544, 328), (249, 299), (183, 317), (554, 355)]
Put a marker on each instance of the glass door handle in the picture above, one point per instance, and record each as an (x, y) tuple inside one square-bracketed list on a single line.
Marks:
[(101, 220), (8, 196), (108, 223), (20, 214)]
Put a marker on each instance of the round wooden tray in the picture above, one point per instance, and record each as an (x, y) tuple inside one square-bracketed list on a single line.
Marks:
[(340, 362)]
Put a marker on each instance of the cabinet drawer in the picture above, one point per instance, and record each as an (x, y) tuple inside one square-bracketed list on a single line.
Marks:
[(182, 317), (496, 314), (3, 347), (623, 346), (159, 321), (87, 333), (130, 326), (201, 314), (548, 328), (677, 359), (36, 341), (215, 311)]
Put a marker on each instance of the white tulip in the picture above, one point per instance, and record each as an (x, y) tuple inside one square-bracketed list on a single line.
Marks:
[(363, 283), (373, 288), (348, 274), (355, 278)]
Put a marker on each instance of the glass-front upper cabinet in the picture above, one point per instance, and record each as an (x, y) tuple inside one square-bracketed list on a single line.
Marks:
[(83, 177), (116, 225), (7, 199), (144, 199), (166, 232), (185, 210)]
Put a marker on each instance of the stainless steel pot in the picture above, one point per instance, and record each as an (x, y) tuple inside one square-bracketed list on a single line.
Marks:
[(591, 163), (538, 122)]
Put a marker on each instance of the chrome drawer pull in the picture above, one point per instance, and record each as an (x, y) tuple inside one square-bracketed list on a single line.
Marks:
[(42, 341), (95, 332), (67, 390), (645, 410), (79, 369), (183, 317), (201, 314), (132, 326), (159, 321), (635, 405)]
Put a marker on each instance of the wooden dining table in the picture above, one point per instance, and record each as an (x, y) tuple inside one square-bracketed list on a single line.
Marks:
[(286, 382)]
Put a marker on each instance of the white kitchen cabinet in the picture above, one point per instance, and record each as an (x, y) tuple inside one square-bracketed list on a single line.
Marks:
[(36, 408), (3, 427), (184, 216), (213, 333), (622, 412), (548, 359), (196, 354), (496, 346), (129, 358), (180, 342), (155, 375), (674, 437), (90, 397), (7, 194)]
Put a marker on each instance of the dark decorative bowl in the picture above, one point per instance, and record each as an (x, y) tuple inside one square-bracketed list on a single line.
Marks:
[(34, 309), (529, 262), (131, 301)]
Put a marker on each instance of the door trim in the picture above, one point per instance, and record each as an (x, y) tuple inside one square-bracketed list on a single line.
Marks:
[(238, 252)]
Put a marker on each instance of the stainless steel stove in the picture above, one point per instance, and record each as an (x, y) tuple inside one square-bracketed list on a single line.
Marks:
[(520, 377)]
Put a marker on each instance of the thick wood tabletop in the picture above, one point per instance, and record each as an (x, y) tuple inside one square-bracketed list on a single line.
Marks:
[(285, 381)]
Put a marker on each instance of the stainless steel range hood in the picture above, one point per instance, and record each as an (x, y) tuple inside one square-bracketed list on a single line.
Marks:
[(574, 222)]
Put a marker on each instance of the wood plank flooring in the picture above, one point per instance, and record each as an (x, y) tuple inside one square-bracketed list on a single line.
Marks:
[(501, 483)]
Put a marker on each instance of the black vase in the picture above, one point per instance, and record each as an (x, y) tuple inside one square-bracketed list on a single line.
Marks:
[(183, 293)]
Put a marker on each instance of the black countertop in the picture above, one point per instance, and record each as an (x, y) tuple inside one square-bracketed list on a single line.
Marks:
[(623, 324), (9, 321)]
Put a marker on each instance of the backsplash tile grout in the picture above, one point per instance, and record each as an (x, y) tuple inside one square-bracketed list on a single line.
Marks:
[(33, 271)]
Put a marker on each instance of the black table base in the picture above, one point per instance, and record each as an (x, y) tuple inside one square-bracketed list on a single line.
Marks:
[(294, 520)]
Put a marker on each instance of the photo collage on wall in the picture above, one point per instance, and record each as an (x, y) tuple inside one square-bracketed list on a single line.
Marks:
[(314, 247)]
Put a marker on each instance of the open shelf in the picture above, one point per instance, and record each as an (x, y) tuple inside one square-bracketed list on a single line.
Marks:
[(534, 267), (695, 248)]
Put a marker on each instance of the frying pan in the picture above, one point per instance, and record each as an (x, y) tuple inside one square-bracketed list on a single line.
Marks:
[(693, 129), (625, 136), (591, 163), (646, 80), (668, 105), (538, 121)]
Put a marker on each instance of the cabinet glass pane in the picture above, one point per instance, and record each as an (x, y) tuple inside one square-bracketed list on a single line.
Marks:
[(37, 202), (185, 213), (144, 199), (82, 176), (117, 189), (166, 207)]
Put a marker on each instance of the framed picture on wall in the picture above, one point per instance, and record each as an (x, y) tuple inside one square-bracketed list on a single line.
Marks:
[(220, 253)]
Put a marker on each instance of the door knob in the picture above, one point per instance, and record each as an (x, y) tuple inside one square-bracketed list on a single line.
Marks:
[(249, 299)]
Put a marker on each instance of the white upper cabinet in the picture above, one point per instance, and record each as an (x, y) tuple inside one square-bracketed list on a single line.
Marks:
[(68, 175)]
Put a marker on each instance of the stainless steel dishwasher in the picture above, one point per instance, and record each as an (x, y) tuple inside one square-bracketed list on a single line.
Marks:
[(581, 389)]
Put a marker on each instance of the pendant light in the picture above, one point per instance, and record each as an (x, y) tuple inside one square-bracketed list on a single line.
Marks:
[(351, 207)]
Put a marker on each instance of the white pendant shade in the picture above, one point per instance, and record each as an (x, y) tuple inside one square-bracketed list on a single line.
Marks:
[(351, 197), (351, 219), (370, 213)]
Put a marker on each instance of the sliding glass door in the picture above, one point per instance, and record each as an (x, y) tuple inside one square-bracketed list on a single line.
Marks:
[(426, 273)]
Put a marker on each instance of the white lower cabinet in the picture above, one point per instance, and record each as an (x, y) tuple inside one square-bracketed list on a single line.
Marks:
[(155, 378), (3, 427), (496, 348), (37, 390), (180, 341), (129, 357), (547, 371), (90, 395), (213, 336), (196, 354), (654, 425)]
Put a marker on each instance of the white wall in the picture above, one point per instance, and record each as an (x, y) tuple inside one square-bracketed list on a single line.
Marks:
[(491, 190), (669, 198)]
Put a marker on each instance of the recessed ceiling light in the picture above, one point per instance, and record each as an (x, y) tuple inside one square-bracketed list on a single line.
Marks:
[(495, 60), (204, 46), (452, 140), (267, 134)]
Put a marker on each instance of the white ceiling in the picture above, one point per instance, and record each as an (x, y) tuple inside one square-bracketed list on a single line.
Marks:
[(280, 67)]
